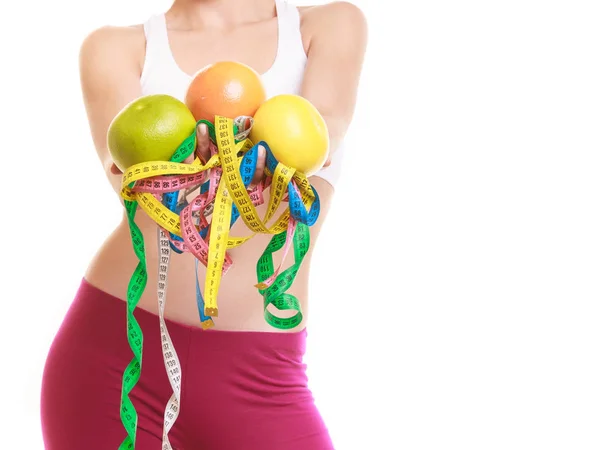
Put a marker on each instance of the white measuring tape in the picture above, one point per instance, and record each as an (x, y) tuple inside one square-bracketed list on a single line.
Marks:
[(171, 360)]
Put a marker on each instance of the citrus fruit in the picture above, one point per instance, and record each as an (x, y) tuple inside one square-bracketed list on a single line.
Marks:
[(294, 130), (150, 128), (226, 88)]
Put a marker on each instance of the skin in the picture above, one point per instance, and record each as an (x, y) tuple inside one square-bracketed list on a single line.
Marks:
[(111, 62)]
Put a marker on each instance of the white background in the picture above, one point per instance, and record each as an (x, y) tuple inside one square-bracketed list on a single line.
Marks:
[(461, 260)]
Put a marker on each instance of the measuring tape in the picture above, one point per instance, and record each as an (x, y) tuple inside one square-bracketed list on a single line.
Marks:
[(134, 332), (183, 227), (138, 282), (170, 357)]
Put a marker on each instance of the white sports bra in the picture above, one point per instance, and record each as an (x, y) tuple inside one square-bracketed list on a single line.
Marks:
[(162, 75)]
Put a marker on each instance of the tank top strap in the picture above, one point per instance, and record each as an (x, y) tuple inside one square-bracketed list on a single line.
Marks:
[(290, 45), (158, 50)]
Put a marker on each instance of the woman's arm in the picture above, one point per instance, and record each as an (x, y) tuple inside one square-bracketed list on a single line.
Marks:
[(110, 66), (335, 58)]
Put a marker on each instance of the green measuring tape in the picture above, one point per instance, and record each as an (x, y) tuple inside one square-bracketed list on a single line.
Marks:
[(136, 287), (275, 296)]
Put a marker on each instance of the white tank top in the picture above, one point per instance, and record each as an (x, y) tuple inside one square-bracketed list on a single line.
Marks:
[(162, 75)]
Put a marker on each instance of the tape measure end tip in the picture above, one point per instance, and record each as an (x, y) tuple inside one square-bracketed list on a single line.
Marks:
[(207, 324), (214, 312)]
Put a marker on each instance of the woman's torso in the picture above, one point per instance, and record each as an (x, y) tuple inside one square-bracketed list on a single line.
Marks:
[(275, 48)]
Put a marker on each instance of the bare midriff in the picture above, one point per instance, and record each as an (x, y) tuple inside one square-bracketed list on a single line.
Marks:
[(240, 304)]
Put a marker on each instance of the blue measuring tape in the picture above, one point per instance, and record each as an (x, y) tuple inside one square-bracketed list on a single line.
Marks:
[(247, 170)]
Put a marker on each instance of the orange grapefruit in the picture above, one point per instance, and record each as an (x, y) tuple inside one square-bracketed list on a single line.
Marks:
[(226, 88)]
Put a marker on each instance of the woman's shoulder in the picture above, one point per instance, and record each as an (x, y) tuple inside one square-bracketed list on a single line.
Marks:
[(114, 35), (343, 11), (338, 17), (115, 43), (121, 47)]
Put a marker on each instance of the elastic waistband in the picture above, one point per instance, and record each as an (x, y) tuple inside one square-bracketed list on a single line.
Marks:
[(106, 313)]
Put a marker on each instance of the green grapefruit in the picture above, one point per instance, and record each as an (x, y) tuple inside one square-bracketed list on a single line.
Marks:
[(150, 128)]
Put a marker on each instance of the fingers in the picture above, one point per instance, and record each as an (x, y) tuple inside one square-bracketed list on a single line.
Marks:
[(328, 160), (202, 145), (115, 170), (203, 142), (260, 165)]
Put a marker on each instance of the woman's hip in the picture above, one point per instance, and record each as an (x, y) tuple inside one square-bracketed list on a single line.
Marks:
[(225, 374)]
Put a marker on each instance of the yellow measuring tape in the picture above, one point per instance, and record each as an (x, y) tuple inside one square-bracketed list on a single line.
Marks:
[(231, 190), (143, 184)]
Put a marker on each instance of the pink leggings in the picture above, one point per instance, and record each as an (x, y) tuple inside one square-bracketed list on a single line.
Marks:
[(241, 390)]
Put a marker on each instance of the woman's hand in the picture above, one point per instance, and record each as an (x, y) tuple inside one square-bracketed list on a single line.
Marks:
[(205, 149)]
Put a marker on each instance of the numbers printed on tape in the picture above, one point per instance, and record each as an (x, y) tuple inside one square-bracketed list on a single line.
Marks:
[(171, 360), (224, 197), (135, 290), (219, 231)]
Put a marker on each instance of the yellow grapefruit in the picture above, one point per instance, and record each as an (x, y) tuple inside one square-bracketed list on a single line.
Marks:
[(294, 130)]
